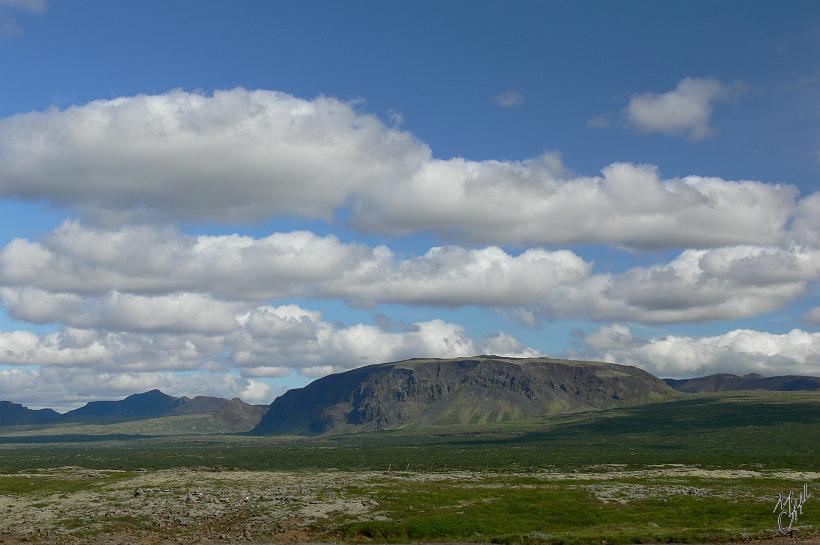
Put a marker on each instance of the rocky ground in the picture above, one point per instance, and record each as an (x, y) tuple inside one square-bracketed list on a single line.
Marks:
[(78, 506)]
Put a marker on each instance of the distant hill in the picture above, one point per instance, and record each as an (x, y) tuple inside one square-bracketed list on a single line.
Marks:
[(134, 407), (201, 405), (14, 414), (482, 389), (239, 415), (234, 414), (752, 381)]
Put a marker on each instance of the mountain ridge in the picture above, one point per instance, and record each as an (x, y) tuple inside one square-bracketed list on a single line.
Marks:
[(365, 398), (422, 392), (16, 414), (723, 382), (140, 406)]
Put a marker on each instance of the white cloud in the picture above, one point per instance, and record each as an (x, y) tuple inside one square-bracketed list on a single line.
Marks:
[(266, 371), (504, 344), (455, 276), (509, 99), (147, 279), (806, 228), (739, 351), (151, 261), (236, 155), (290, 335), (267, 341), (698, 285), (118, 351), (175, 313), (685, 110), (252, 155), (93, 278), (537, 202), (319, 371)]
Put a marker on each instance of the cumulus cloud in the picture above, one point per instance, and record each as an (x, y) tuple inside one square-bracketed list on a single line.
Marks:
[(504, 344), (266, 342), (161, 260), (455, 276), (806, 227), (175, 313), (41, 278), (243, 155), (235, 155), (538, 202), (509, 99), (685, 110), (299, 337), (94, 278), (113, 351), (739, 351), (698, 285)]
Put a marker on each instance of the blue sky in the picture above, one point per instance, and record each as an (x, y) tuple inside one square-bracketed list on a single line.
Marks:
[(594, 83)]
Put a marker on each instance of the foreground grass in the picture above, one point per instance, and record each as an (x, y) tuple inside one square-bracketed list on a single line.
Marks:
[(193, 424), (602, 505), (648, 510)]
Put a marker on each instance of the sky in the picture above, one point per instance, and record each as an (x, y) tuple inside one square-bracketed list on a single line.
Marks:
[(235, 198)]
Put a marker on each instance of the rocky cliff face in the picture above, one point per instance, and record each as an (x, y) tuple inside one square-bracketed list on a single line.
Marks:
[(484, 389)]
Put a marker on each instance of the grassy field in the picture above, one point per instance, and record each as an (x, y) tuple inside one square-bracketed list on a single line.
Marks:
[(192, 424), (702, 468), (760, 430)]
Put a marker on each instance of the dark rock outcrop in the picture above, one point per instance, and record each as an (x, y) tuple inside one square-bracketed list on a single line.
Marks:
[(482, 389), (752, 381)]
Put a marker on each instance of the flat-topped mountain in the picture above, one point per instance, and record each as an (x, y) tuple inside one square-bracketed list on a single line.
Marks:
[(14, 414), (482, 389), (753, 381)]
